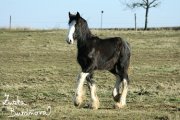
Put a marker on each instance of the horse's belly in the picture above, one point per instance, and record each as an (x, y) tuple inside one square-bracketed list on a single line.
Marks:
[(106, 65)]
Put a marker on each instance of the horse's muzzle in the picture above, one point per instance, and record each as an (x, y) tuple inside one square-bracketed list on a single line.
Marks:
[(69, 41)]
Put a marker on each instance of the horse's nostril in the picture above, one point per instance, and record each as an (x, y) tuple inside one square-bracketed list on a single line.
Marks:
[(69, 41)]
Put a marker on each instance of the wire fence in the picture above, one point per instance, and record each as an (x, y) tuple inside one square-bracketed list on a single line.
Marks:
[(55, 24)]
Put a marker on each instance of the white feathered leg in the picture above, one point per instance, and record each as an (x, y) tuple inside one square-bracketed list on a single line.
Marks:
[(78, 99)]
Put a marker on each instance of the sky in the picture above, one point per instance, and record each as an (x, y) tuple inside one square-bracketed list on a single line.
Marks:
[(48, 14)]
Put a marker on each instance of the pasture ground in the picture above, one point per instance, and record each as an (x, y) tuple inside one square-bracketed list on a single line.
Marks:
[(41, 69)]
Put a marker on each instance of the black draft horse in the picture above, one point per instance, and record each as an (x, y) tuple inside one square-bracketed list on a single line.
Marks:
[(112, 54)]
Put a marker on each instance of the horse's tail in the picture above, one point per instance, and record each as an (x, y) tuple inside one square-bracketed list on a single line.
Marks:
[(124, 57), (127, 54)]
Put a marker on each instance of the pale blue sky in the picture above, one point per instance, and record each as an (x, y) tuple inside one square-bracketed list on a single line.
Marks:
[(54, 13)]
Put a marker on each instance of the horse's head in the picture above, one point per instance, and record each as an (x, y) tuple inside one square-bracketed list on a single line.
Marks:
[(73, 20)]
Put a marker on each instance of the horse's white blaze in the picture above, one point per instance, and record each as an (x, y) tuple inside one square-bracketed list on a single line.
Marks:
[(124, 92), (70, 38)]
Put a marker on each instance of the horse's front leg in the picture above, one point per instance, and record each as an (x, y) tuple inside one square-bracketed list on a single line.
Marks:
[(94, 98), (78, 98)]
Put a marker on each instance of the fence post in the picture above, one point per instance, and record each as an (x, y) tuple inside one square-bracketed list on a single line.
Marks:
[(10, 22), (102, 18), (135, 22)]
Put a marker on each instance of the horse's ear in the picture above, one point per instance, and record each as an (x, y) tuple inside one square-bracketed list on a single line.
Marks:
[(69, 14), (78, 15)]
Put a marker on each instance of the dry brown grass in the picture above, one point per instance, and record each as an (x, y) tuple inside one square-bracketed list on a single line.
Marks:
[(40, 68)]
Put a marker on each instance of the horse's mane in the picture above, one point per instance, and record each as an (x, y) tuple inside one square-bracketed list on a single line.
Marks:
[(83, 31)]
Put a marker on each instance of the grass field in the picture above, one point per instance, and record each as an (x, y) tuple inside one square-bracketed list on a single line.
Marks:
[(41, 69)]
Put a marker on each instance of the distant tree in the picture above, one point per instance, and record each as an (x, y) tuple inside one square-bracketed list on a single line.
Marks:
[(146, 4)]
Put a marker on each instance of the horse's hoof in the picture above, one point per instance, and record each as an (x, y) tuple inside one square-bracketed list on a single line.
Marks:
[(78, 105), (78, 102), (94, 105), (119, 106)]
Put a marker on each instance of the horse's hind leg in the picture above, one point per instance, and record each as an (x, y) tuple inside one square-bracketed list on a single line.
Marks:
[(121, 71), (120, 91), (116, 91), (122, 102), (78, 98), (94, 98)]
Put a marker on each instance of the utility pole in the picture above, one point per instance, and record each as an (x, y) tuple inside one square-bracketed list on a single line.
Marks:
[(135, 22), (102, 18), (10, 22)]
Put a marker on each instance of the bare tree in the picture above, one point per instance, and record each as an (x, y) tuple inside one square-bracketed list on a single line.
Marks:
[(146, 4)]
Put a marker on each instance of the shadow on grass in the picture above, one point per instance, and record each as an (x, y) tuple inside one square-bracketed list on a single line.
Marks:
[(87, 106)]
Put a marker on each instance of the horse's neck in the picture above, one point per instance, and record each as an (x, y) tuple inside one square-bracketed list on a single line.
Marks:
[(84, 38), (81, 43)]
